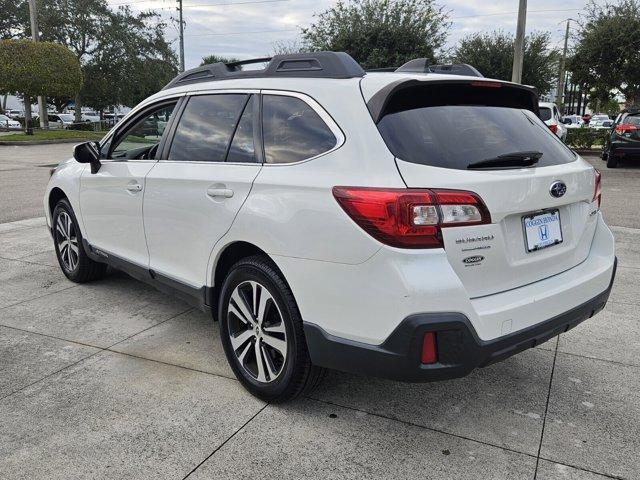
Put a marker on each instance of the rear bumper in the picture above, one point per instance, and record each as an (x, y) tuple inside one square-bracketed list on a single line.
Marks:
[(460, 350), (624, 148)]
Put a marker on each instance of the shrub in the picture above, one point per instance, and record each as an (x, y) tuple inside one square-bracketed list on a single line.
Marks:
[(585, 138), (83, 126), (41, 68)]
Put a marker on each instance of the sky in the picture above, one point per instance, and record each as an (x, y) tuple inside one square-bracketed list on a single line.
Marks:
[(250, 28)]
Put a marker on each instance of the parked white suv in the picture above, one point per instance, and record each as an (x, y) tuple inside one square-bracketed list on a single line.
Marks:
[(551, 116), (413, 225)]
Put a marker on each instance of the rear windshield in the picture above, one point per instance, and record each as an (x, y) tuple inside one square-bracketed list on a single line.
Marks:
[(632, 120), (545, 113), (453, 136)]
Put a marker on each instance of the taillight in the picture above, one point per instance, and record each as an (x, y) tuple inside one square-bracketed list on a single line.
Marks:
[(410, 218), (625, 128), (554, 128), (597, 194)]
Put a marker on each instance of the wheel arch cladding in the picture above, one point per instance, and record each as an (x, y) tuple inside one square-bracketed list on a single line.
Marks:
[(55, 196), (228, 256)]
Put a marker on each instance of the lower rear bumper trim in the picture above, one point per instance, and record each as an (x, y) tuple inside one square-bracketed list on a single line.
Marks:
[(460, 350)]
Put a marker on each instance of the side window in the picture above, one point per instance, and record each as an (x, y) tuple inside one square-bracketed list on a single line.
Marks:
[(141, 140), (242, 148), (292, 130), (205, 128)]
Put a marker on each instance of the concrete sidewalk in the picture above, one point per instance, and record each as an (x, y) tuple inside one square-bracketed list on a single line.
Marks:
[(115, 380)]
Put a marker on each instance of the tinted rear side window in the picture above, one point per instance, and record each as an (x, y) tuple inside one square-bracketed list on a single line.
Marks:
[(205, 127), (545, 113), (292, 130), (454, 136)]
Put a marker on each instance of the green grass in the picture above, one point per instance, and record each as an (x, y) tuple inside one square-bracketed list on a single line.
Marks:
[(53, 135)]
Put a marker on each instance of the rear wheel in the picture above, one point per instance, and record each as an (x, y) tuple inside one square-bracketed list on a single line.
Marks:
[(612, 162), (262, 332), (67, 239)]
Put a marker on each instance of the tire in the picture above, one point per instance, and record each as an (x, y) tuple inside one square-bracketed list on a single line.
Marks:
[(612, 162), (284, 369), (76, 265), (605, 156)]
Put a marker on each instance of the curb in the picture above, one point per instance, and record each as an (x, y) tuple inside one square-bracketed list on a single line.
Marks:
[(43, 142)]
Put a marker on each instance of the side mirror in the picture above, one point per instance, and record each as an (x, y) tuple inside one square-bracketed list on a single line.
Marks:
[(88, 152)]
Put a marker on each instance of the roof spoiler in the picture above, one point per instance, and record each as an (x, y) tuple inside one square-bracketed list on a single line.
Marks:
[(308, 65), (513, 94), (421, 65)]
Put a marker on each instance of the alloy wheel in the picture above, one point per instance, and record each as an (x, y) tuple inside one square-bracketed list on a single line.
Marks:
[(67, 241), (257, 331)]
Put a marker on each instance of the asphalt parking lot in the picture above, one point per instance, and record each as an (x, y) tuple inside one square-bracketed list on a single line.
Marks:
[(115, 380)]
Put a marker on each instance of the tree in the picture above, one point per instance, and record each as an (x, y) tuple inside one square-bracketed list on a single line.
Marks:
[(380, 33), (492, 55), (213, 58), (14, 18), (15, 14), (607, 56), (33, 69), (123, 55), (285, 47), (131, 61), (609, 106)]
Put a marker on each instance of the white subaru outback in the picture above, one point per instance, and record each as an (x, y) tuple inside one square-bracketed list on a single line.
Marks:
[(413, 225)]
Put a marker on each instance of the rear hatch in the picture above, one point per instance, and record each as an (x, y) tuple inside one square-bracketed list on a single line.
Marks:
[(628, 130), (538, 228)]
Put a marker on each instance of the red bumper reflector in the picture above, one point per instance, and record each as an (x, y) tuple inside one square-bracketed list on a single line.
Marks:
[(429, 351)]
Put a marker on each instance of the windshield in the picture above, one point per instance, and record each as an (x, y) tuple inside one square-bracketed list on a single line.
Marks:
[(455, 136), (545, 113)]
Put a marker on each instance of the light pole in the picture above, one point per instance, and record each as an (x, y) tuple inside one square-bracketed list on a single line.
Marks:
[(181, 37), (516, 73), (42, 104), (563, 60)]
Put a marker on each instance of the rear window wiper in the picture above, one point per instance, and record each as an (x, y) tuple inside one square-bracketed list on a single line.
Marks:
[(508, 160)]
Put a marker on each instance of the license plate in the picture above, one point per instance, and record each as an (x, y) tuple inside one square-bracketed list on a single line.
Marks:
[(542, 230)]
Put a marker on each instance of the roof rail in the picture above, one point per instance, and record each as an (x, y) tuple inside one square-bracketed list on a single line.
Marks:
[(299, 65), (421, 65)]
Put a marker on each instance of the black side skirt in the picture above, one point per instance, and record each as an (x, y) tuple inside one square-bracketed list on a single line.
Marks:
[(197, 297)]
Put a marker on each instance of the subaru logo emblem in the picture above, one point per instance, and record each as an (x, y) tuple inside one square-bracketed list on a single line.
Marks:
[(558, 189)]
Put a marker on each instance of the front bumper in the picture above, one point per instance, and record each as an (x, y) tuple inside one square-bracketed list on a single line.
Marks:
[(460, 350)]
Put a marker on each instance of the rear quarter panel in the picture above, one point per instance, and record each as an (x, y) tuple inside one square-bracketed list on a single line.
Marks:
[(291, 210)]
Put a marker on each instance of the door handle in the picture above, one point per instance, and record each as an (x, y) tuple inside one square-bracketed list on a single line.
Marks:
[(220, 192), (134, 187)]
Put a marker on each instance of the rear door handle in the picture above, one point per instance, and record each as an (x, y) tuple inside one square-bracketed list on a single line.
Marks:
[(134, 187), (220, 192)]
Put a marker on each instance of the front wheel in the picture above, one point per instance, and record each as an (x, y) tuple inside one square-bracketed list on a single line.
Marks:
[(262, 332), (612, 162), (67, 239)]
